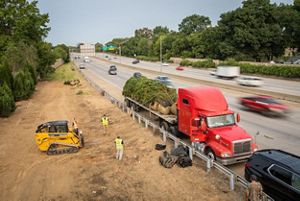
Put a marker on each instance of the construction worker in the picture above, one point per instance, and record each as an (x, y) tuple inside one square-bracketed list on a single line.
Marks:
[(75, 126), (255, 190), (119, 146), (105, 122)]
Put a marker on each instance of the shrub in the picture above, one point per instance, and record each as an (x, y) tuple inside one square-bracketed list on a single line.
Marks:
[(6, 76), (23, 85), (148, 58), (208, 63), (204, 64), (186, 63), (7, 102), (273, 70)]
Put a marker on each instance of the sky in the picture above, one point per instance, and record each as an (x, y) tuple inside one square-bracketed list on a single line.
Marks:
[(91, 21)]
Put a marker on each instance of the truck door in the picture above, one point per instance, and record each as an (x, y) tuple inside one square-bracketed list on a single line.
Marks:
[(184, 115)]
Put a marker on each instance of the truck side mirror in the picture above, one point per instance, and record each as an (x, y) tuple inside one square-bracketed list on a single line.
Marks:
[(238, 117), (196, 122)]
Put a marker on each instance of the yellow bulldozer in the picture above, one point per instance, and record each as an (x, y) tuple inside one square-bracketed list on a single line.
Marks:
[(55, 137)]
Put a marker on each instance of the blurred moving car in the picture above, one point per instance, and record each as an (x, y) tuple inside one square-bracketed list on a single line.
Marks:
[(137, 74), (165, 80), (165, 64), (136, 61), (278, 172), (213, 72), (86, 60), (180, 68), (250, 81), (265, 105), (112, 70), (81, 66)]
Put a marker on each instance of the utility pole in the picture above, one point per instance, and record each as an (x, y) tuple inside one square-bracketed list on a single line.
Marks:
[(160, 45)]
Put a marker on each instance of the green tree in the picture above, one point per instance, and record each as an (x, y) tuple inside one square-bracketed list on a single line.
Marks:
[(143, 32), (46, 59), (194, 23), (98, 47), (251, 30), (7, 102), (6, 76)]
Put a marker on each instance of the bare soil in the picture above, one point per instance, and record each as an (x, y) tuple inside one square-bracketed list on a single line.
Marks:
[(93, 173)]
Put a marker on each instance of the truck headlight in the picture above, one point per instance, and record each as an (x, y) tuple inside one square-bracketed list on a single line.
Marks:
[(225, 155), (218, 137)]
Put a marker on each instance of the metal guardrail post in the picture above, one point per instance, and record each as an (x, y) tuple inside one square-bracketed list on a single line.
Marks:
[(133, 115), (231, 182), (146, 123), (139, 119), (164, 136), (208, 165), (176, 143), (191, 153)]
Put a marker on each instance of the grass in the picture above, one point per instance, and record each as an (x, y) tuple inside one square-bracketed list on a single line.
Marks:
[(65, 72)]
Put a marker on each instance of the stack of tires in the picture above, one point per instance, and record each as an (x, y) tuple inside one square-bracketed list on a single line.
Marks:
[(178, 155)]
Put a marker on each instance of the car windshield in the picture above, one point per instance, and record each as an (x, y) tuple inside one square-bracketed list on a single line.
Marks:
[(267, 100), (221, 120), (162, 78)]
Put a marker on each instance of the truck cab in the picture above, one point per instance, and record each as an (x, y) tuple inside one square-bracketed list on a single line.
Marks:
[(204, 116)]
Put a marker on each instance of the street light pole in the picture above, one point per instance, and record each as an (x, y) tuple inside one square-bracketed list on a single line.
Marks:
[(160, 48)]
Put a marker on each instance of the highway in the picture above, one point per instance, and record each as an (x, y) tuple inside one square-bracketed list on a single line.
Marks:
[(279, 133), (275, 85)]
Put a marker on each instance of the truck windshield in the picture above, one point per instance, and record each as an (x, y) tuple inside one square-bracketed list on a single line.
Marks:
[(221, 120)]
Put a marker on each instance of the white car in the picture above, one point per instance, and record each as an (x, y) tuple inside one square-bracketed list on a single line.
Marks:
[(165, 64), (81, 66), (250, 81)]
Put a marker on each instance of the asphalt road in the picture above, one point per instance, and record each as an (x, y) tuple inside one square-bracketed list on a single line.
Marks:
[(275, 85), (279, 133)]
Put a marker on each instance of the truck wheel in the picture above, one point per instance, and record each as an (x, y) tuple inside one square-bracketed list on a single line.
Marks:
[(210, 154)]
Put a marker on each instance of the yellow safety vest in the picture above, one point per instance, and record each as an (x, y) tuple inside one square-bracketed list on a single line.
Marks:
[(104, 121), (119, 144)]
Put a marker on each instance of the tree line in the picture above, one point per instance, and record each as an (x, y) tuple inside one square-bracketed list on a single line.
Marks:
[(256, 31), (25, 57)]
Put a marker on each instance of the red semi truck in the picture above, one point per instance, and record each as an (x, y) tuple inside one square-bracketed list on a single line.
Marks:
[(204, 116)]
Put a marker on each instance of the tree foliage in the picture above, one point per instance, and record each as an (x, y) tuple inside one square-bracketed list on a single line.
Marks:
[(194, 23), (7, 102), (257, 31)]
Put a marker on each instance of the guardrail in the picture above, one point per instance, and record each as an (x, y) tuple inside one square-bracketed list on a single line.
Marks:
[(233, 177)]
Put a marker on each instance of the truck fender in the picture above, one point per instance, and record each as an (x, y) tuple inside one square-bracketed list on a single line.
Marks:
[(216, 148)]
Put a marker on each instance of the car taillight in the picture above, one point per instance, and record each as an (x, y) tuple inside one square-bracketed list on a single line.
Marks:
[(247, 165)]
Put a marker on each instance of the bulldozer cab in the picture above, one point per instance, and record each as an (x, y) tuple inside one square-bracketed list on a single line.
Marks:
[(55, 137), (53, 127)]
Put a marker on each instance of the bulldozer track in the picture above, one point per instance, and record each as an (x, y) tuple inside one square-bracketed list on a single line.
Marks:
[(53, 149)]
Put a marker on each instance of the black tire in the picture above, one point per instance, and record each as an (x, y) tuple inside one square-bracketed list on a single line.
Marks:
[(179, 151), (210, 154), (160, 147)]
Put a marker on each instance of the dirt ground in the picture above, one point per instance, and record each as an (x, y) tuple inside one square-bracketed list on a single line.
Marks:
[(93, 173)]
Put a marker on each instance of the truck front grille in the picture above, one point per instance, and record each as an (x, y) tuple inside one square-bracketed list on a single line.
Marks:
[(241, 147)]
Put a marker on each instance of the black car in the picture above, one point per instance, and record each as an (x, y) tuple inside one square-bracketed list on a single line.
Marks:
[(137, 74), (136, 61), (112, 70), (278, 172)]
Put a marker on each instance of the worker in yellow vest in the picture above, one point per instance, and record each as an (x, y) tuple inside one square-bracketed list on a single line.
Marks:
[(105, 122), (75, 126), (119, 147)]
